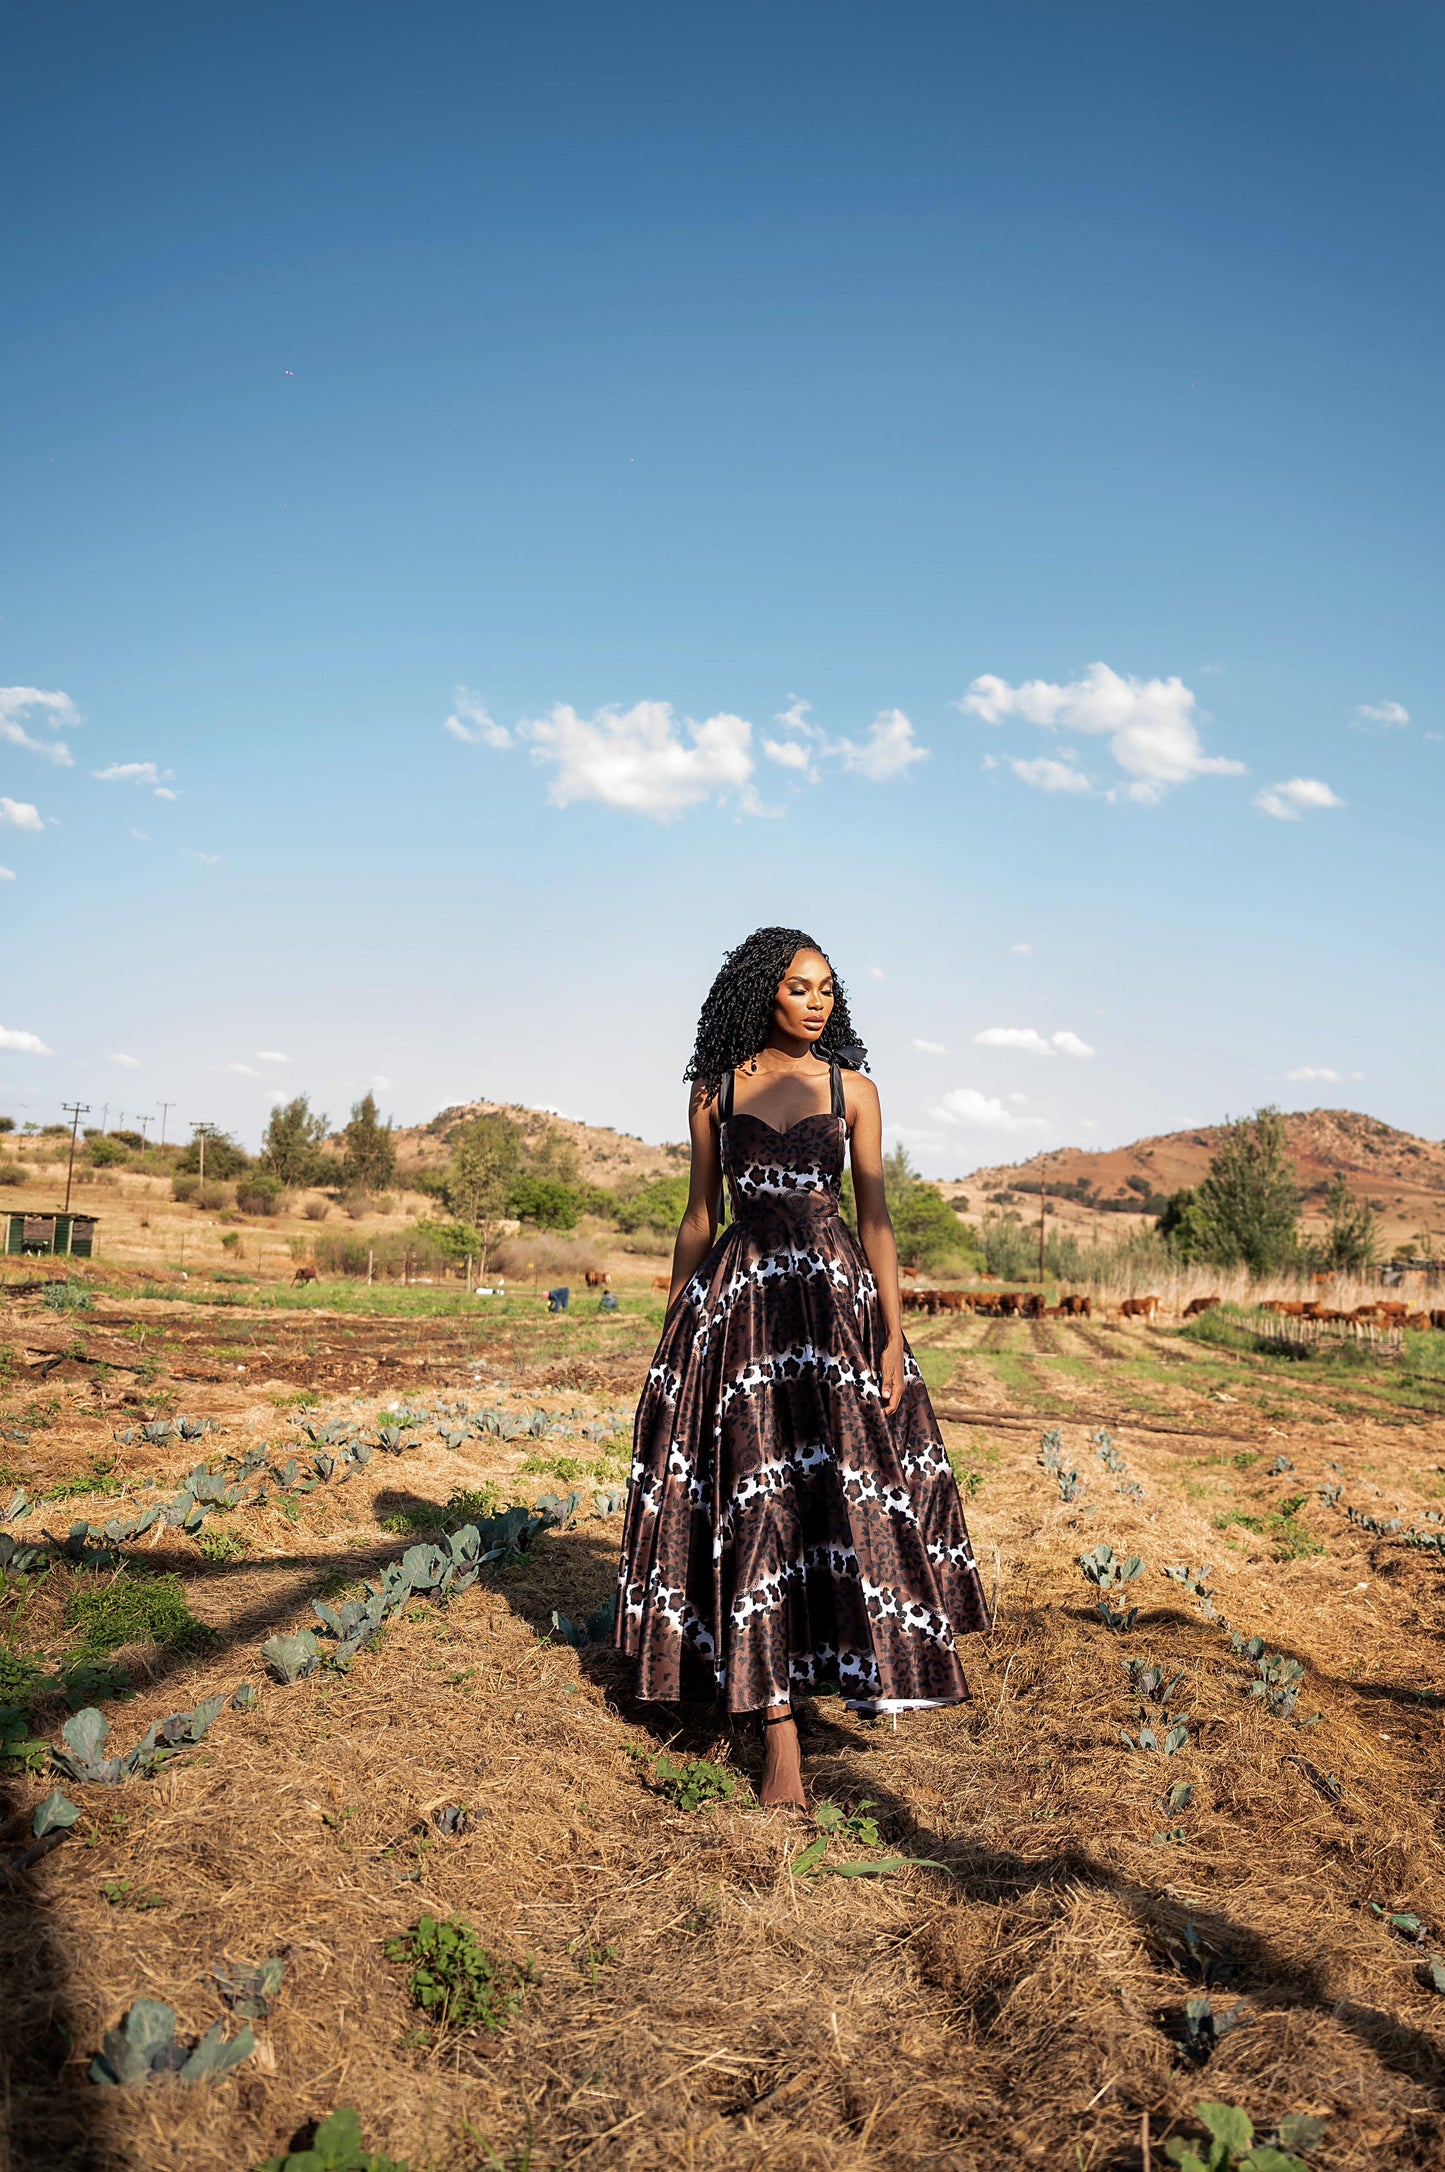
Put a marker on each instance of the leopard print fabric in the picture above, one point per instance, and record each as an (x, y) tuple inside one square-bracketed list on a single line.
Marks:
[(782, 1532)]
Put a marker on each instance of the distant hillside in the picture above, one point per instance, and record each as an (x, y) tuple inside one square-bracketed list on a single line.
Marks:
[(1403, 1177), (607, 1157)]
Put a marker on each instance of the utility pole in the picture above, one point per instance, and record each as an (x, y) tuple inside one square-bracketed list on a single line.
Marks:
[(143, 1121), (203, 1132), (75, 1110), (104, 1114), (1043, 1199), (166, 1107)]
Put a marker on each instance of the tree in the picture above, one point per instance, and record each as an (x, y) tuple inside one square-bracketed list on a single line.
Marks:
[(224, 1158), (368, 1156), (486, 1160), (291, 1147), (556, 1158), (928, 1232), (544, 1201), (1352, 1232), (1249, 1202), (1182, 1225)]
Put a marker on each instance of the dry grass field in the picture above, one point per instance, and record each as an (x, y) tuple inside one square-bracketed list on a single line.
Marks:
[(679, 1988)]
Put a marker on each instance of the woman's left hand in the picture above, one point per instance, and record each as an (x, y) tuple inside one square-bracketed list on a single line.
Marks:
[(891, 1374)]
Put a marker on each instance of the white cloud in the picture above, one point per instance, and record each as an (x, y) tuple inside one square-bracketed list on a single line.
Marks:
[(242, 1070), (1152, 726), (204, 859), (1309, 1071), (382, 1085), (876, 972), (1046, 775), (930, 1048), (470, 722), (1382, 716), (141, 837), (7, 874), (16, 1043), (887, 752), (58, 711), (637, 760), (1300, 796), (127, 1063), (19, 814), (128, 773), (1028, 1042), (967, 1109), (1358, 1077), (277, 1094), (271, 1055), (1021, 950), (164, 792), (1022, 1038), (788, 753)]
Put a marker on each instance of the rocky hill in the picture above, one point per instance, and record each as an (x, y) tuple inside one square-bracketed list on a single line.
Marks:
[(1403, 1177)]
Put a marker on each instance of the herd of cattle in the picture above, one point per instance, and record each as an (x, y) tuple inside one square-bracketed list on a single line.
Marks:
[(1030, 1305)]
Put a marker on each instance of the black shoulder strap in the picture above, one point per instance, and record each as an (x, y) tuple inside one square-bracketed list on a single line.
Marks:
[(840, 1105), (725, 1097)]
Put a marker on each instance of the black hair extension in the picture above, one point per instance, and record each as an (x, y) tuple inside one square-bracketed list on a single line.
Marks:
[(738, 1013)]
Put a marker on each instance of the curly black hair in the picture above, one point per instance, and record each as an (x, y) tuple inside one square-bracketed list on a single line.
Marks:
[(736, 1018)]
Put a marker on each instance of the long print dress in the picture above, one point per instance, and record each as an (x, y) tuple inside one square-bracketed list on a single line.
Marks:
[(782, 1532)]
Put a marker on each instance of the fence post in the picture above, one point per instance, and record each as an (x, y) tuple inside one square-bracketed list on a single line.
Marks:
[(469, 1274), (370, 1263)]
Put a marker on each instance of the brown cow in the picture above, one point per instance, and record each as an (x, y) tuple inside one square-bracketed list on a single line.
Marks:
[(1139, 1308), (1077, 1307), (909, 1273), (304, 1274), (596, 1278), (661, 1282), (1196, 1305)]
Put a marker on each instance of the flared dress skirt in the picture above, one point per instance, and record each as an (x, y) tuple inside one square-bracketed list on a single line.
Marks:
[(783, 1533)]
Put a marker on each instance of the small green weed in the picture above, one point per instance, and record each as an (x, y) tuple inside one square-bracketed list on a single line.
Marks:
[(94, 1480), (852, 1825), (135, 1609), (689, 1783), (337, 2147), (223, 1545), (1231, 2146), (122, 1894), (458, 1985)]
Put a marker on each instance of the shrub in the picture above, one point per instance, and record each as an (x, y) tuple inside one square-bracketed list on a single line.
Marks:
[(357, 1205), (928, 1231), (11, 1173), (656, 1206), (184, 1186), (107, 1153), (546, 1202), (7, 1123), (546, 1252), (316, 1210), (211, 1197), (259, 1192)]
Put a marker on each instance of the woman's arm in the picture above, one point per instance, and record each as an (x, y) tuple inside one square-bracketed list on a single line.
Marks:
[(697, 1231), (875, 1230)]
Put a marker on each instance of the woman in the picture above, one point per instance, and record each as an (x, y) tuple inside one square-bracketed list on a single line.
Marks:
[(792, 1519)]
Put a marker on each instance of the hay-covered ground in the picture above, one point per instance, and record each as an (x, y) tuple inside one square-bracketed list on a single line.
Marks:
[(687, 1999)]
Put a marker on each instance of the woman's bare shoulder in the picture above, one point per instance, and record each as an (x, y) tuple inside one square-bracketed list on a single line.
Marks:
[(860, 1094)]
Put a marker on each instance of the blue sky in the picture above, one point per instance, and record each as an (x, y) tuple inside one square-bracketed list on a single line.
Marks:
[(961, 479)]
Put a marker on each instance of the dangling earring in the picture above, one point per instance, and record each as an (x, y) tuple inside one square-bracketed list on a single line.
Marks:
[(753, 1065)]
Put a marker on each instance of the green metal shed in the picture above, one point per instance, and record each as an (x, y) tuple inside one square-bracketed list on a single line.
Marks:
[(73, 1234)]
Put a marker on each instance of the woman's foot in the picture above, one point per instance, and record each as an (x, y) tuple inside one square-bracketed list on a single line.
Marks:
[(782, 1787)]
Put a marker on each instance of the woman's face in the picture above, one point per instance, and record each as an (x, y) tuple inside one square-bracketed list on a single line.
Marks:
[(804, 1002)]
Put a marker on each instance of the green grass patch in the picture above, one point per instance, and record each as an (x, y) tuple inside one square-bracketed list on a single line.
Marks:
[(937, 1367), (134, 1609), (458, 1985)]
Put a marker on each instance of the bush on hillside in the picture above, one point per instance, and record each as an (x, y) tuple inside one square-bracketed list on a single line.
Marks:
[(655, 1207), (107, 1153), (224, 1158), (545, 1202), (260, 1191)]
